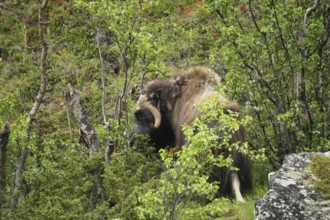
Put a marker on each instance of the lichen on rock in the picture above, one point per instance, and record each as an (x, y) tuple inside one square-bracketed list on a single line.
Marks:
[(292, 194)]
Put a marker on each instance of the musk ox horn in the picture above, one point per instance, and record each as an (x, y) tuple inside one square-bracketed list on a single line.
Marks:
[(154, 111)]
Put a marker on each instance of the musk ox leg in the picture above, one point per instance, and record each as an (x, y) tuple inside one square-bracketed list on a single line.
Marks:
[(235, 187)]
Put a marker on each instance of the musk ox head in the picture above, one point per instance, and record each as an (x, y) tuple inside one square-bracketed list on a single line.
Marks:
[(151, 118), (162, 101)]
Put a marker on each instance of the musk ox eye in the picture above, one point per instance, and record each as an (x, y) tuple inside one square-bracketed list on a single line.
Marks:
[(154, 98)]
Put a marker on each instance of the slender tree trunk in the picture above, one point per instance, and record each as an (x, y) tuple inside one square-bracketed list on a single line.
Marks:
[(122, 103), (4, 139), (98, 30), (43, 67), (110, 144)]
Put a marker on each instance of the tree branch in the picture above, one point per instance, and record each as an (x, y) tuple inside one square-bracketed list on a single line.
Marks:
[(109, 143), (98, 34), (309, 10), (43, 67)]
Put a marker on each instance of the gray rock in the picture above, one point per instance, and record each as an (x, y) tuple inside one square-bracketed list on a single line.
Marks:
[(291, 194)]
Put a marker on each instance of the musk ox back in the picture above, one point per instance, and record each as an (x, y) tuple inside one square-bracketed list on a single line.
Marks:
[(165, 105)]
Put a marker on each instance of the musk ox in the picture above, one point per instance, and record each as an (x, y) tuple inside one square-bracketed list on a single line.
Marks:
[(165, 105)]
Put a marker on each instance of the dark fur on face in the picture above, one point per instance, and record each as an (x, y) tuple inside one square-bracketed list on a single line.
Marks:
[(143, 121)]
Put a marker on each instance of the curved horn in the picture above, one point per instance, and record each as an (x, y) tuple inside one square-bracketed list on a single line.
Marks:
[(154, 111)]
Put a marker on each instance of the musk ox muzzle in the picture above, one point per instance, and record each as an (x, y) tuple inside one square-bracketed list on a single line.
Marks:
[(143, 123)]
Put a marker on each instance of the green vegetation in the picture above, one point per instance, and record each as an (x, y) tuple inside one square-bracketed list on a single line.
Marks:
[(320, 167), (273, 56)]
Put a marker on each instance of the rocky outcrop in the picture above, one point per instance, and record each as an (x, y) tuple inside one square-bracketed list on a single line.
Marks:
[(291, 194)]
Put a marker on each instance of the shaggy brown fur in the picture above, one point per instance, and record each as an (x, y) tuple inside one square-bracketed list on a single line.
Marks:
[(195, 85)]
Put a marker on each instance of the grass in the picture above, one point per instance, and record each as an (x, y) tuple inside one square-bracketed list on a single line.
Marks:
[(245, 211), (320, 167)]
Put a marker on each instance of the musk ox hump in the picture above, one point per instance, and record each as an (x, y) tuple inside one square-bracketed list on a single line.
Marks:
[(198, 76)]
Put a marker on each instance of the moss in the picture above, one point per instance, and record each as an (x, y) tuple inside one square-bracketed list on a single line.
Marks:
[(320, 167)]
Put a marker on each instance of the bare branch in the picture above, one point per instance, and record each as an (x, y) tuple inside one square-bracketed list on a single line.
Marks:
[(43, 67), (309, 10), (98, 34)]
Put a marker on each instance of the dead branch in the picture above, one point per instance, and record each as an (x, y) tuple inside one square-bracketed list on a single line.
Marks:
[(88, 136)]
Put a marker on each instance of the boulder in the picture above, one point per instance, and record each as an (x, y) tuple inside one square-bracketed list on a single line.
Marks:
[(291, 194)]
